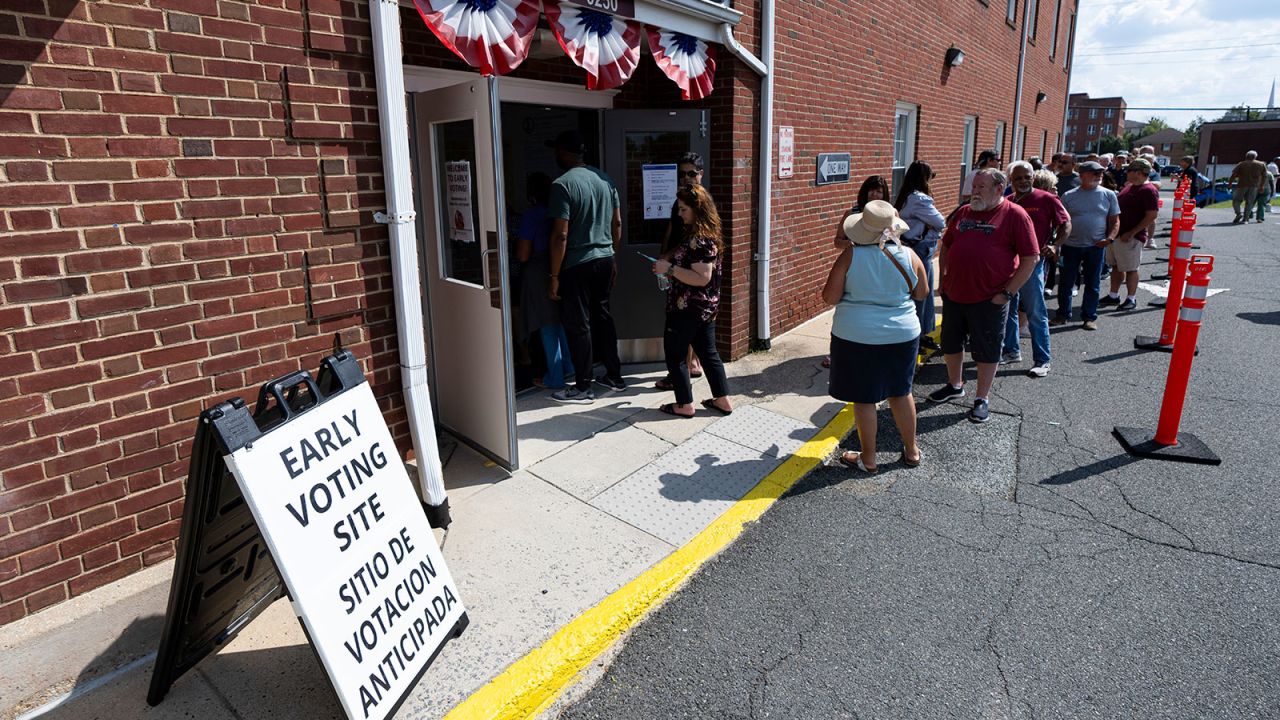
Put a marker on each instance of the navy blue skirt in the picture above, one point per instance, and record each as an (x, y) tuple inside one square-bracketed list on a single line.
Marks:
[(871, 373)]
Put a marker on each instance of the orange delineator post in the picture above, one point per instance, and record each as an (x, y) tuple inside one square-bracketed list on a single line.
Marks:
[(1179, 258), (1166, 443), (1189, 317)]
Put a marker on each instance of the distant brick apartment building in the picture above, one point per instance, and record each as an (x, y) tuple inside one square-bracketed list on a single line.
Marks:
[(1091, 119), (189, 189)]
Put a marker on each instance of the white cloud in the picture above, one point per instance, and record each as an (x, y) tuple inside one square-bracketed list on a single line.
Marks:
[(1162, 74)]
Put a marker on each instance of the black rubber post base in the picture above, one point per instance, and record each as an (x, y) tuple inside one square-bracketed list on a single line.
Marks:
[(1162, 259), (1158, 302), (438, 515), (1161, 276), (1147, 342), (1141, 442)]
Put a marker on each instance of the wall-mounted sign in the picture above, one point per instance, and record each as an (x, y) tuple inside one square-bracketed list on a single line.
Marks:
[(832, 168), (620, 8), (786, 152), (660, 185)]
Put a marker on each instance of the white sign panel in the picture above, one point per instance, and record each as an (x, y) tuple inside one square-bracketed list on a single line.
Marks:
[(347, 530), (660, 185), (458, 177), (786, 152)]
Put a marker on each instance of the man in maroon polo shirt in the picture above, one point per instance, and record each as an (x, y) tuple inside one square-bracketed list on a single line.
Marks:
[(989, 250), (1047, 217)]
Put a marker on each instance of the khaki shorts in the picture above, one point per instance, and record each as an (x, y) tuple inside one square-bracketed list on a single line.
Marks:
[(1124, 256)]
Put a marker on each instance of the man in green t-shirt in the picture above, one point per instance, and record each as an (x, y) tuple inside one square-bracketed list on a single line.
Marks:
[(586, 230)]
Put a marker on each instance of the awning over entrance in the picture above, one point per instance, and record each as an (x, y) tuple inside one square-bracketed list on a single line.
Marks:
[(600, 36)]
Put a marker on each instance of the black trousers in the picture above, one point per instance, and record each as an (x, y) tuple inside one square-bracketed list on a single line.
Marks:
[(684, 329), (584, 311)]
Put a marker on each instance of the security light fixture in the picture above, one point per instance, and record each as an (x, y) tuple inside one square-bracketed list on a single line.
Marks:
[(1041, 97), (954, 56)]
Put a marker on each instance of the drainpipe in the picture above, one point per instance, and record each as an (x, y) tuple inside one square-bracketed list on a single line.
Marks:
[(764, 161), (393, 122), (1071, 66), (1017, 101)]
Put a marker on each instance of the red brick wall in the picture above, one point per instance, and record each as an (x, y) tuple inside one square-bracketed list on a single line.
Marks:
[(842, 66), (168, 171), (1078, 137)]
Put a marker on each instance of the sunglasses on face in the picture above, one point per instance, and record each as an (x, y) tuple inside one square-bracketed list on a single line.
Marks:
[(690, 173)]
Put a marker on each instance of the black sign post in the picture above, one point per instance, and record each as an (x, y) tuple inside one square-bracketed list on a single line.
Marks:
[(832, 168), (225, 575)]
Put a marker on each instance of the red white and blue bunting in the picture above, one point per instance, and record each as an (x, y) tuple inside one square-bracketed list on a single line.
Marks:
[(494, 37), (607, 47), (490, 35), (688, 61)]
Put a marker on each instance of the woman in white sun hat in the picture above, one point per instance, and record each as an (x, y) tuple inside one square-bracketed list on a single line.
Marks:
[(875, 335)]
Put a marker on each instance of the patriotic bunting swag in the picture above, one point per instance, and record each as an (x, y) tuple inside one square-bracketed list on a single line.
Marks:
[(688, 61), (491, 35), (607, 47)]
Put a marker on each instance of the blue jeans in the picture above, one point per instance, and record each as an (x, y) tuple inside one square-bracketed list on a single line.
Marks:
[(1030, 299), (1072, 258), (924, 308), (556, 347)]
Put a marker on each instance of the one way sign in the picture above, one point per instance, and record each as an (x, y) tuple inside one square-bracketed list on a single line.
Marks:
[(833, 168)]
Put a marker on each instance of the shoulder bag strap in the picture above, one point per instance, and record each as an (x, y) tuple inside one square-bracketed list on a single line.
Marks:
[(898, 265)]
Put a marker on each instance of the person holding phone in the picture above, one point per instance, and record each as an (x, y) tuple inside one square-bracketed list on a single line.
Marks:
[(689, 173)]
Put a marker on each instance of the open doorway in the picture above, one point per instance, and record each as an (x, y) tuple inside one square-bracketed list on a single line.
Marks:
[(528, 166)]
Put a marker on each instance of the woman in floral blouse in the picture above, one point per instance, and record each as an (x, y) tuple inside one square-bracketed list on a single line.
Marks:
[(692, 302)]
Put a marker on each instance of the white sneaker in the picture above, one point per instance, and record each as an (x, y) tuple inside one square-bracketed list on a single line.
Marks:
[(1039, 371)]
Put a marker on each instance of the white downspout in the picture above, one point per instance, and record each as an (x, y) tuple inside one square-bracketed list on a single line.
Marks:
[(1017, 101), (393, 122), (764, 161)]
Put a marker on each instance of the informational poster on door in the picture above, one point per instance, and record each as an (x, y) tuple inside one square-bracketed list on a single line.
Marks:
[(786, 152), (458, 178), (347, 530), (660, 183)]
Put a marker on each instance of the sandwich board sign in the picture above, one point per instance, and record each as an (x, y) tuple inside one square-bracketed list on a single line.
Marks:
[(347, 532)]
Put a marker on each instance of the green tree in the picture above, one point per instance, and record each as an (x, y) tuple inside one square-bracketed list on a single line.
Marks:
[(1153, 126), (1240, 112), (1191, 138), (1111, 144)]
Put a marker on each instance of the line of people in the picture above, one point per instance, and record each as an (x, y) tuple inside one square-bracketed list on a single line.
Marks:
[(994, 253)]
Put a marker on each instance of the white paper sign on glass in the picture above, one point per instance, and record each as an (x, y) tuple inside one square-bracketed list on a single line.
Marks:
[(458, 177), (660, 184), (347, 530)]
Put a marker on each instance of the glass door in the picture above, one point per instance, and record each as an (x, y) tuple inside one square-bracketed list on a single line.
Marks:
[(462, 221), (640, 143)]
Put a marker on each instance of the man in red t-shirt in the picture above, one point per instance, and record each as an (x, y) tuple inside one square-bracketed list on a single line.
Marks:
[(989, 251), (1047, 217), (1139, 204)]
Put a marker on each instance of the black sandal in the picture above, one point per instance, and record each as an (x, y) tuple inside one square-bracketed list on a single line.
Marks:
[(710, 404), (665, 384), (912, 463), (670, 409)]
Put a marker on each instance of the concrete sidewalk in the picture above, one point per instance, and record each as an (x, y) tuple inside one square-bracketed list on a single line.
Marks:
[(606, 491)]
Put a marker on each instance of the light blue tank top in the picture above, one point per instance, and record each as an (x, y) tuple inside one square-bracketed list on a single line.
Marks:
[(876, 308)]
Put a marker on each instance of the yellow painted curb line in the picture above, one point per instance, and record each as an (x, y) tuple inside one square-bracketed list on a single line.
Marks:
[(533, 682)]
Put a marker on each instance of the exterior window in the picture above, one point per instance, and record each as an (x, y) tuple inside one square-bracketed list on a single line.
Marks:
[(1071, 43), (1044, 140), (1057, 142), (1020, 152), (999, 142), (1111, 112), (1071, 129), (904, 140), (1011, 11), (1093, 113), (1072, 114), (1093, 130), (1057, 16), (1033, 17), (1166, 147), (967, 143)]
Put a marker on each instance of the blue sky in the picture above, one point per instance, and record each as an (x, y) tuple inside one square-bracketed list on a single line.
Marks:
[(1178, 53)]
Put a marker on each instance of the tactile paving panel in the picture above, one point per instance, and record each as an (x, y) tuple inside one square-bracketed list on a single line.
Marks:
[(682, 492), (763, 431)]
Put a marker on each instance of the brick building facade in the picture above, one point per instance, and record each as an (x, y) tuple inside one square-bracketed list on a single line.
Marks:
[(1227, 142), (1091, 119), (187, 198)]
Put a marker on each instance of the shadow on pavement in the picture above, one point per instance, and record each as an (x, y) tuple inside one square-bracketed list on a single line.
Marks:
[(1268, 318), (1087, 471)]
